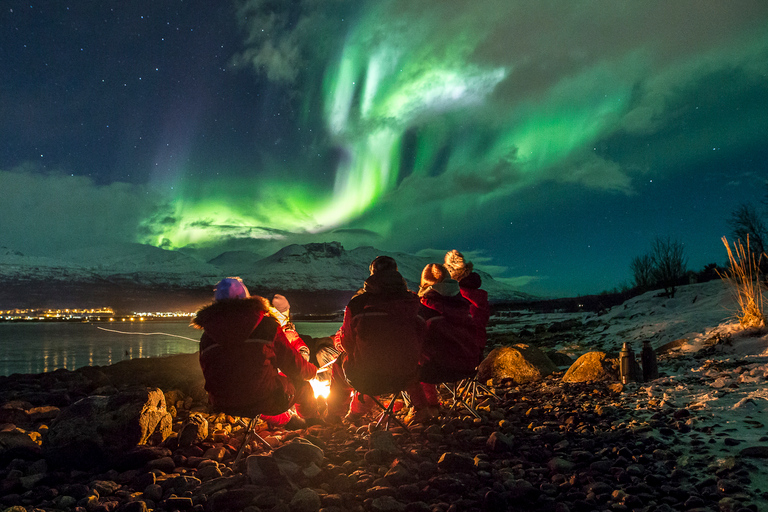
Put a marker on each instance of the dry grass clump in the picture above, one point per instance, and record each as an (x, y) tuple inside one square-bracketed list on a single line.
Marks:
[(744, 280)]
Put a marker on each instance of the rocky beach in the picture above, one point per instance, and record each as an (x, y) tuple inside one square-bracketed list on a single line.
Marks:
[(563, 435)]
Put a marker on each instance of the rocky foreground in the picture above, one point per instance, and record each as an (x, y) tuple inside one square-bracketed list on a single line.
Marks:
[(79, 441)]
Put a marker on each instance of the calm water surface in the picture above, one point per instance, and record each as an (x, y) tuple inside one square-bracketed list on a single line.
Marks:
[(37, 347)]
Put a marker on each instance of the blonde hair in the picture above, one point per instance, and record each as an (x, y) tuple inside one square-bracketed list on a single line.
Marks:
[(432, 273)]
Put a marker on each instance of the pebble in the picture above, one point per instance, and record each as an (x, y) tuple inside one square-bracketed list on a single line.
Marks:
[(543, 446)]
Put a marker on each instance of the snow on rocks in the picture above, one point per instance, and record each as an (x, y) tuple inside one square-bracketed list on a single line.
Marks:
[(693, 439)]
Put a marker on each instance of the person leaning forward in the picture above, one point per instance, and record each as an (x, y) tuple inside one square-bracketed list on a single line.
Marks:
[(241, 349)]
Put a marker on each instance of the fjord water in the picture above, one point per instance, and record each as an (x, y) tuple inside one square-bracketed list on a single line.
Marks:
[(37, 347)]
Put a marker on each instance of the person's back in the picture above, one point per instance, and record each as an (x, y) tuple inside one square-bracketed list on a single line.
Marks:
[(469, 287), (451, 348), (241, 349), (382, 335)]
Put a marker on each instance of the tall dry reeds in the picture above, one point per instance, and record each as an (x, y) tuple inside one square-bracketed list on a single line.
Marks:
[(744, 280)]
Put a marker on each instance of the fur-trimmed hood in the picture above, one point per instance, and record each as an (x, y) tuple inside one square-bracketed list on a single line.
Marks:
[(231, 319)]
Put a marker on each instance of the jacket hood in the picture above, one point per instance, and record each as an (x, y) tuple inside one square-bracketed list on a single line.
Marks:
[(386, 282), (231, 319), (447, 288), (472, 281)]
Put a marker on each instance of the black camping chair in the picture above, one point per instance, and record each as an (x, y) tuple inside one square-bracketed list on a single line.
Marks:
[(388, 413), (251, 431), (250, 434), (466, 392)]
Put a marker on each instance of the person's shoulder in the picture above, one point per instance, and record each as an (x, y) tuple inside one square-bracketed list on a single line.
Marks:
[(267, 329)]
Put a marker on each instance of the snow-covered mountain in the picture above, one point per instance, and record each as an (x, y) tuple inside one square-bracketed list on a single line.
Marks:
[(312, 268)]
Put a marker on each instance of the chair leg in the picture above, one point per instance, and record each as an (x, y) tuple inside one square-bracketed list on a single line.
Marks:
[(250, 433), (388, 412), (464, 395)]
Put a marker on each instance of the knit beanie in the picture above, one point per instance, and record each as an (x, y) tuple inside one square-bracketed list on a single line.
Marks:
[(382, 263), (281, 303), (454, 262), (230, 288), (432, 273)]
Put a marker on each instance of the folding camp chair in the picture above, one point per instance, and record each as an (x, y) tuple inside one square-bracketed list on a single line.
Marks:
[(465, 393), (250, 434), (388, 412)]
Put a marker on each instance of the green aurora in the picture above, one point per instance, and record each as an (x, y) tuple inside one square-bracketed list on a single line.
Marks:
[(550, 141), (390, 80)]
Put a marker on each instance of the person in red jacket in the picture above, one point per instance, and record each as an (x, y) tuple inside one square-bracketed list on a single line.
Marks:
[(450, 350), (249, 364), (380, 338), (469, 287)]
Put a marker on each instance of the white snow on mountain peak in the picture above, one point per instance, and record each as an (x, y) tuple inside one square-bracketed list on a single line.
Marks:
[(310, 267)]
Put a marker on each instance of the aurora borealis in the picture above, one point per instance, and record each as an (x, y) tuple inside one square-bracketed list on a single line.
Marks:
[(550, 141)]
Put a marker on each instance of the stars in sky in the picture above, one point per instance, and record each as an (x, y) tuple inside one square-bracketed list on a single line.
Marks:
[(555, 140)]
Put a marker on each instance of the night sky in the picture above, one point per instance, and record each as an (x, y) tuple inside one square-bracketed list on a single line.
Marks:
[(550, 141)]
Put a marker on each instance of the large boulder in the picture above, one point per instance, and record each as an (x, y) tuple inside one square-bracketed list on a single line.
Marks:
[(520, 363), (593, 366), (97, 430)]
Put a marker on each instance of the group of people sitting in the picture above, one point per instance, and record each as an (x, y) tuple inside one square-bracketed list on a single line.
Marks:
[(391, 339)]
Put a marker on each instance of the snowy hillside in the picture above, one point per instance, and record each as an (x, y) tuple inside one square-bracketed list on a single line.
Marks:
[(328, 266), (323, 267)]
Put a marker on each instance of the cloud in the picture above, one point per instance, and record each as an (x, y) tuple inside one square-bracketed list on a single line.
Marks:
[(284, 39), (53, 212), (519, 282)]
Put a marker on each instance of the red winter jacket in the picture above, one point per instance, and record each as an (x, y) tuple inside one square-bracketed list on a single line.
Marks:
[(241, 349), (479, 308), (451, 348), (382, 335)]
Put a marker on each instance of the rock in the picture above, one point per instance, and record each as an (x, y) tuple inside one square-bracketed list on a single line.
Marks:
[(232, 499), (559, 465), (520, 363), (559, 359), (97, 429), (387, 504), (383, 440), (592, 366), (672, 345), (16, 444), (264, 470), (43, 413), (300, 451), (399, 474), (451, 462), (498, 442), (305, 500), (757, 452), (194, 430)]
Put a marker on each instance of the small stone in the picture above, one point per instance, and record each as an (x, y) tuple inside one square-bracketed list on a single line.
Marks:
[(451, 462), (305, 500), (387, 504)]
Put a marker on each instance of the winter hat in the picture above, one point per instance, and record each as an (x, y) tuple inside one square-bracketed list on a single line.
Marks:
[(382, 263), (454, 262), (281, 303), (432, 273), (230, 288)]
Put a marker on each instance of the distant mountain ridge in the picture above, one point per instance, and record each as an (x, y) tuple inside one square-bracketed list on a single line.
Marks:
[(311, 268)]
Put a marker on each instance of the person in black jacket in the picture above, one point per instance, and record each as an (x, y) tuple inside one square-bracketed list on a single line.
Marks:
[(249, 363)]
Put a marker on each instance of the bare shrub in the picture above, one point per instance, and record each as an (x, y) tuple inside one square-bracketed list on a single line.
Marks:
[(742, 277), (669, 264), (642, 272)]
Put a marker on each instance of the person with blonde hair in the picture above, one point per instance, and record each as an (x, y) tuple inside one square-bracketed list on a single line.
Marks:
[(449, 352), (469, 287)]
